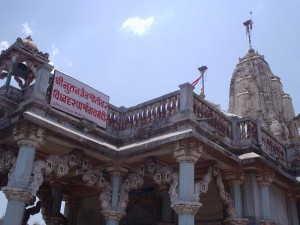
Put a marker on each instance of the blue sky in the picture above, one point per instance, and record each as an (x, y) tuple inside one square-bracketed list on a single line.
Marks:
[(137, 50)]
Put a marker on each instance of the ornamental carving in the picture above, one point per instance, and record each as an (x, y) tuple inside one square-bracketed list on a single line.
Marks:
[(202, 186), (163, 175), (93, 177), (7, 159), (29, 135), (187, 151), (173, 190), (37, 176), (225, 196), (105, 197), (57, 165)]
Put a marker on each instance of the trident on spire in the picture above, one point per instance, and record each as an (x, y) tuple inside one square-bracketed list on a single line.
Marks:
[(248, 24)]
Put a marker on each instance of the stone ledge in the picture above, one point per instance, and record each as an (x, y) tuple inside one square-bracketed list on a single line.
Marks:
[(18, 194)]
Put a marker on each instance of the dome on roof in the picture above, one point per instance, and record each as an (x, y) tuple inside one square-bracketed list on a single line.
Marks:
[(28, 42)]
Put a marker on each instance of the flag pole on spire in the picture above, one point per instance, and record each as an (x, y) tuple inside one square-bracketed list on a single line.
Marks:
[(248, 24)]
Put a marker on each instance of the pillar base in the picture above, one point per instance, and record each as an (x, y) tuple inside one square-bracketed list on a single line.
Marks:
[(236, 221), (18, 194), (266, 222), (55, 220), (186, 207)]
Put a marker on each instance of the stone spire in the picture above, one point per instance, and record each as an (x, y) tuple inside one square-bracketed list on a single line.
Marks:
[(255, 91)]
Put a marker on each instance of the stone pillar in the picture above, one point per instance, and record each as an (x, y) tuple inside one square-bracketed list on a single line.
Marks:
[(264, 179), (186, 96), (235, 180), (292, 206), (186, 154), (70, 204), (28, 138), (116, 171), (55, 217)]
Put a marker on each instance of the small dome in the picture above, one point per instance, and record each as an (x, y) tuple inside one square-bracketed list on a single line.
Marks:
[(29, 43), (251, 50)]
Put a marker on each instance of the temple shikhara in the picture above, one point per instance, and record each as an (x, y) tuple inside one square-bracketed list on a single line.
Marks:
[(176, 159)]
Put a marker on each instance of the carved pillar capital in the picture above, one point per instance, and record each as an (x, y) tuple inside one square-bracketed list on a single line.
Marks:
[(18, 194), (27, 134), (186, 207), (113, 214), (187, 151), (265, 178), (234, 177), (117, 169)]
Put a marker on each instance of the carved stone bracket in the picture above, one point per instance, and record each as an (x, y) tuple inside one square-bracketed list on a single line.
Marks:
[(18, 194), (29, 135), (187, 151)]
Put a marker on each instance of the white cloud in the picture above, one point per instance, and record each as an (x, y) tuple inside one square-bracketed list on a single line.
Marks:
[(26, 29), (68, 62), (4, 45), (137, 25), (54, 51)]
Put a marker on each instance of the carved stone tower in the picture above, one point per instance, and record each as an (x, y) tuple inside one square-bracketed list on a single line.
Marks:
[(255, 91)]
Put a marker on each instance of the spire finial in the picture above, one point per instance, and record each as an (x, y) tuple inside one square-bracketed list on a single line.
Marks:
[(248, 24)]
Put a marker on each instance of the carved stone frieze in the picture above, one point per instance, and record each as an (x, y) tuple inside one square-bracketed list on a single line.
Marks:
[(187, 151), (29, 135)]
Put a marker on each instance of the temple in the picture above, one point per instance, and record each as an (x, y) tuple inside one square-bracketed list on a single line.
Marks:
[(176, 159)]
